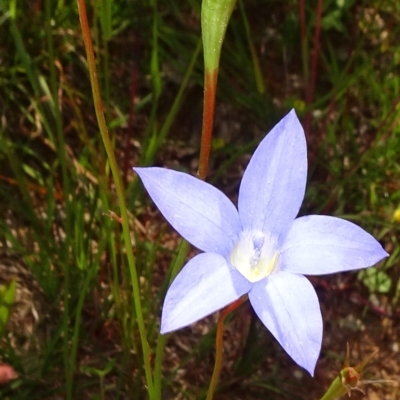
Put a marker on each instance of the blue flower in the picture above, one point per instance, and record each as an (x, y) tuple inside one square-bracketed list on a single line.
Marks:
[(260, 249)]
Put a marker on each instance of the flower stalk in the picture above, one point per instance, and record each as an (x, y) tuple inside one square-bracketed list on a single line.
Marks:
[(219, 345), (119, 190), (215, 16)]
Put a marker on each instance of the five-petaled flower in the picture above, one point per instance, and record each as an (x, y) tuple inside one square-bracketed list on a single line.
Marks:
[(259, 249)]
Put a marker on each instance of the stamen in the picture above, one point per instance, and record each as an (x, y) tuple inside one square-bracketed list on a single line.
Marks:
[(255, 255)]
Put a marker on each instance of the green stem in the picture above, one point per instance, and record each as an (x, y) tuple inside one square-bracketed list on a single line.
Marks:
[(179, 96), (119, 190), (77, 325), (106, 77), (106, 31), (256, 63), (335, 390)]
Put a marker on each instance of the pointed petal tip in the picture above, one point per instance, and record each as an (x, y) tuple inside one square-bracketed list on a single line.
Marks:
[(310, 368), (168, 326), (273, 185), (309, 363), (164, 329), (282, 302), (384, 254), (381, 255), (200, 212), (141, 171), (291, 116), (204, 285), (169, 323), (320, 244), (293, 113)]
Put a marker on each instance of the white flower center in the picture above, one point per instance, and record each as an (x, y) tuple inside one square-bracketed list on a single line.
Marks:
[(255, 255)]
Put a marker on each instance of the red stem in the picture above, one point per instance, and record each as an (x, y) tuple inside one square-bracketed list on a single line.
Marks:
[(219, 344), (303, 36), (210, 89), (314, 63)]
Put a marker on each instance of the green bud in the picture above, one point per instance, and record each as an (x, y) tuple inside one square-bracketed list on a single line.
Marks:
[(215, 16)]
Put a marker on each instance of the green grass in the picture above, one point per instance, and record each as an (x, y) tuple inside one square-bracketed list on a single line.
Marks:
[(56, 188)]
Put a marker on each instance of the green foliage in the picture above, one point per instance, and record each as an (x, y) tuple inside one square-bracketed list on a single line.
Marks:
[(376, 280), (7, 295)]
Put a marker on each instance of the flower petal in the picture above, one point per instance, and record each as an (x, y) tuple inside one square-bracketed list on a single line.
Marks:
[(317, 245), (288, 306), (205, 285), (273, 184), (201, 213)]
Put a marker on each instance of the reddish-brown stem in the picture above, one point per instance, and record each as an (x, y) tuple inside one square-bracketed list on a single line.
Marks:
[(302, 16), (210, 88), (314, 63), (219, 345), (303, 38)]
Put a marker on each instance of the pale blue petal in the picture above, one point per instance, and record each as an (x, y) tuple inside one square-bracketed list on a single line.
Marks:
[(288, 306), (273, 184), (205, 285), (317, 245), (201, 213)]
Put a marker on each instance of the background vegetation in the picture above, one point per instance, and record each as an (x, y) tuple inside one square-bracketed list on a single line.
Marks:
[(67, 321)]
